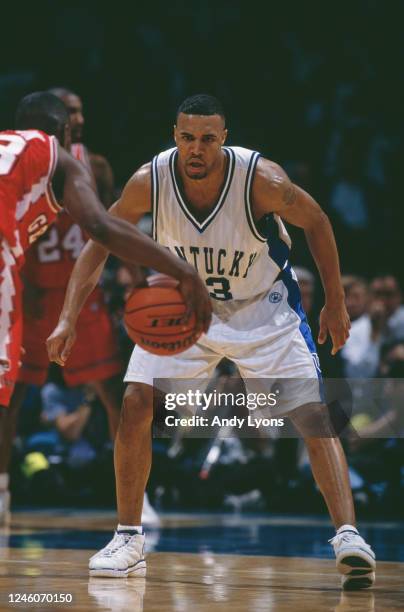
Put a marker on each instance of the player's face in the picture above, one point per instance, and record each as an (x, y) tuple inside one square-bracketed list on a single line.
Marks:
[(199, 139), (356, 300), (75, 109), (387, 290)]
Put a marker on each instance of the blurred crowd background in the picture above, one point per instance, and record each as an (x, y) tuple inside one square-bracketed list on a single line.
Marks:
[(325, 100)]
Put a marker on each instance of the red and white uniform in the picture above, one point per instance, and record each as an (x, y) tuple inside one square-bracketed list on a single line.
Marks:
[(48, 266), (27, 207)]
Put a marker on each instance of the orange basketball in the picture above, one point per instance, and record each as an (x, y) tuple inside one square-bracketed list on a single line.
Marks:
[(154, 317)]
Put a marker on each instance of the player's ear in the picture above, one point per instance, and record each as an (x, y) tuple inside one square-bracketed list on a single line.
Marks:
[(224, 137), (175, 133)]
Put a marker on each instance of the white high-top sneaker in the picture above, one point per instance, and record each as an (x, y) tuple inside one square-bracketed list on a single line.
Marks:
[(355, 559), (123, 556)]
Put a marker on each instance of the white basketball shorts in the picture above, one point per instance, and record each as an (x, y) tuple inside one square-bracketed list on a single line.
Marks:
[(267, 339)]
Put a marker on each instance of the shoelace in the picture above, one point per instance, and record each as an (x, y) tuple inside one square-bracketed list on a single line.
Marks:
[(119, 540), (344, 536)]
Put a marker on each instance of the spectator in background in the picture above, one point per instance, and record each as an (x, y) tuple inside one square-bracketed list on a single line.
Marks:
[(66, 412), (386, 291), (361, 352), (380, 442)]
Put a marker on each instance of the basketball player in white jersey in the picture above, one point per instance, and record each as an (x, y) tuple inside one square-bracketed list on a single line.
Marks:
[(221, 209)]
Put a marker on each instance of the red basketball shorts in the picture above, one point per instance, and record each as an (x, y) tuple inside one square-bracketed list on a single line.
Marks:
[(95, 354)]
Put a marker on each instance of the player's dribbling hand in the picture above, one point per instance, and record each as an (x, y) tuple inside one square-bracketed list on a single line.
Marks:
[(334, 320), (197, 299), (60, 342)]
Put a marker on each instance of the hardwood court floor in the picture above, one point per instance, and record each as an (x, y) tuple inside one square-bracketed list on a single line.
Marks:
[(31, 562)]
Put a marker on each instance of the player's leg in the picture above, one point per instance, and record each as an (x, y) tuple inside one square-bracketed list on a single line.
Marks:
[(10, 350), (8, 425), (109, 390), (132, 459), (287, 354), (33, 369), (132, 456), (355, 558), (327, 459), (123, 556)]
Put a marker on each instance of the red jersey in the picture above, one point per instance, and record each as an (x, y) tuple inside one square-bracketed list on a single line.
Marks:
[(27, 204), (78, 151), (50, 262)]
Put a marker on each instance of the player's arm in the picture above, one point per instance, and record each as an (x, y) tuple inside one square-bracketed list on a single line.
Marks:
[(274, 192), (134, 202)]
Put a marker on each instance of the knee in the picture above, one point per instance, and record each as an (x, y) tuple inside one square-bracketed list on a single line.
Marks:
[(313, 422), (137, 408)]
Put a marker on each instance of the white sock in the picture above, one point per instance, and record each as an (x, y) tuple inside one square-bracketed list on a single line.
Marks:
[(4, 481), (347, 528), (137, 528)]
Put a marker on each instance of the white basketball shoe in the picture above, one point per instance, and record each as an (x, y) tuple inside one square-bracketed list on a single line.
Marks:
[(355, 559), (122, 557)]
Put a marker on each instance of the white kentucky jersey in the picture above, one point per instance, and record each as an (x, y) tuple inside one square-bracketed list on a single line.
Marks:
[(238, 259)]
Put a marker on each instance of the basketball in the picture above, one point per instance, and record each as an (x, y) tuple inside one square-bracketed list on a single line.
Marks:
[(154, 317)]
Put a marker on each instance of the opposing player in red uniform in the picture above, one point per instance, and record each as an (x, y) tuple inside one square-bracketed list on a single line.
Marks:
[(36, 175), (99, 165), (95, 358)]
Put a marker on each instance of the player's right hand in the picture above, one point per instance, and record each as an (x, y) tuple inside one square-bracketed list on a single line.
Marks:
[(197, 299), (60, 342)]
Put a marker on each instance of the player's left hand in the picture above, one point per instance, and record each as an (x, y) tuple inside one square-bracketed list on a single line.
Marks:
[(334, 320)]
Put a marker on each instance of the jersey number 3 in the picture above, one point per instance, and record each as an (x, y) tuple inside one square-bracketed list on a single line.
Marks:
[(220, 288)]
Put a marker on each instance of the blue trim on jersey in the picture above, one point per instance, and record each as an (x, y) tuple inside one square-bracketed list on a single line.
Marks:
[(295, 302), (278, 250)]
